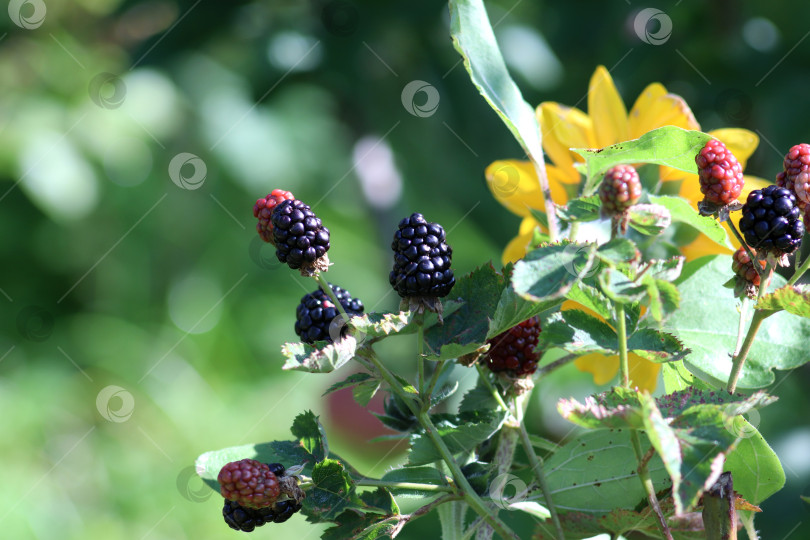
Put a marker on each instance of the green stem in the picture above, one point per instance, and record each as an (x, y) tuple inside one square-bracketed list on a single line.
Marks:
[(545, 370), (402, 485), (622, 331), (739, 360), (467, 491), (437, 371), (492, 390), (741, 326), (649, 488), (572, 234), (328, 290), (420, 359), (551, 212), (392, 381), (800, 272), (536, 463)]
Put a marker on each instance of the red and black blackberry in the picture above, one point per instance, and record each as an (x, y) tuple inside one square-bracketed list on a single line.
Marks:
[(744, 267), (514, 351), (619, 190), (249, 482), (771, 221), (422, 259), (316, 314), (263, 211), (300, 238), (721, 176), (796, 176)]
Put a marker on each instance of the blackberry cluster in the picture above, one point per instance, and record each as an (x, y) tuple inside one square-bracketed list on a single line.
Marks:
[(249, 482), (514, 350), (744, 267), (263, 211), (421, 259), (721, 176), (796, 176), (316, 312), (299, 236), (245, 519), (620, 189), (771, 221)]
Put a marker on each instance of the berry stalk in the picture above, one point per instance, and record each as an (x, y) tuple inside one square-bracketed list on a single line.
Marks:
[(745, 246), (622, 331), (649, 488), (492, 389), (536, 463), (329, 292), (420, 360)]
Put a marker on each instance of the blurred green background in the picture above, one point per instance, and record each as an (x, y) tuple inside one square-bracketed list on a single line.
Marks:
[(142, 316)]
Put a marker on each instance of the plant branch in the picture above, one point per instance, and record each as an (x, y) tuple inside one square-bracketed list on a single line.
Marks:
[(746, 248), (649, 488), (551, 213), (759, 315), (437, 371), (622, 331), (373, 482), (421, 511), (420, 358), (328, 290), (741, 327), (545, 370), (492, 390), (536, 463), (800, 272)]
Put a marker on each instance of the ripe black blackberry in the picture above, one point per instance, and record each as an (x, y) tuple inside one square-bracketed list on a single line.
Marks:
[(300, 238), (513, 351), (245, 519), (619, 190), (316, 313), (422, 260), (771, 221), (263, 211), (721, 176)]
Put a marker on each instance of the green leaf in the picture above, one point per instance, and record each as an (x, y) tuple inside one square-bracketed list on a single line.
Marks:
[(354, 526), (676, 403), (668, 145), (755, 467), (649, 219), (618, 408), (366, 390), (793, 299), (581, 209), (414, 475), (683, 212), (332, 493), (348, 382), (576, 332), (551, 270), (311, 435), (707, 324), (479, 398), (513, 309), (619, 288), (590, 298), (617, 252), (459, 436), (305, 357), (805, 499), (443, 393), (596, 472), (474, 39), (663, 297), (466, 329), (380, 501), (376, 325), (666, 269), (655, 346)]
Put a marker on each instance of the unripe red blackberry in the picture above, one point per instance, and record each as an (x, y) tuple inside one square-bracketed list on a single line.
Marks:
[(771, 221), (263, 210), (744, 267), (301, 239), (422, 259), (721, 176), (513, 351), (316, 312), (248, 482), (619, 190), (796, 176)]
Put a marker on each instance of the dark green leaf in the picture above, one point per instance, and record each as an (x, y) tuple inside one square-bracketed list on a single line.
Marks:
[(459, 437), (348, 382), (332, 493), (682, 211), (668, 145), (576, 332), (551, 270), (478, 398), (649, 219), (590, 298), (655, 346), (310, 433), (616, 286), (581, 209), (352, 525), (443, 393), (380, 501)]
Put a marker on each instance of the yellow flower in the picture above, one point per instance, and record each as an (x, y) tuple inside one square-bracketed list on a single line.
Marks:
[(514, 183)]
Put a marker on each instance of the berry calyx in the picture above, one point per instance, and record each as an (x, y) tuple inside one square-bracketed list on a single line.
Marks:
[(263, 211), (744, 267), (771, 221), (300, 238), (249, 482), (318, 319), (721, 176), (422, 259), (619, 190), (513, 351), (796, 174)]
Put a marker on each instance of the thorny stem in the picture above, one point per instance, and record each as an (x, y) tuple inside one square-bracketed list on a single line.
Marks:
[(551, 213), (466, 491), (800, 272), (649, 488), (421, 511), (536, 463), (756, 322), (623, 362), (402, 485)]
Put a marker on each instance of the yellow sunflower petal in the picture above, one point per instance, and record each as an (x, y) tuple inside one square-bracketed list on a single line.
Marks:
[(516, 248), (741, 142), (643, 373), (603, 368), (563, 128), (655, 108), (702, 246), (606, 109)]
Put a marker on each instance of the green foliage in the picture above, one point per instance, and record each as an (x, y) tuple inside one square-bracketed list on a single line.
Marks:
[(793, 299), (682, 211)]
